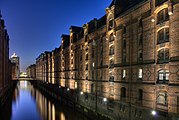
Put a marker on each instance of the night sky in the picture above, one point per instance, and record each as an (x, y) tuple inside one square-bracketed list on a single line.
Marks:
[(35, 26)]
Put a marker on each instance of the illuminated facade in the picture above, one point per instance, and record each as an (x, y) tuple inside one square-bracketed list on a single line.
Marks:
[(126, 63), (15, 60)]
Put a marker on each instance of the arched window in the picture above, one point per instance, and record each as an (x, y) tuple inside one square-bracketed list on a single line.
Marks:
[(163, 35), (163, 55), (124, 30), (110, 24), (111, 37), (162, 98), (86, 66), (111, 51), (140, 94), (123, 92), (162, 16), (163, 76), (112, 63), (86, 56), (92, 88), (111, 79)]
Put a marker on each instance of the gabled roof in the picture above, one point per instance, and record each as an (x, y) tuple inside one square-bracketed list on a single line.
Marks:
[(76, 29), (66, 40), (124, 4)]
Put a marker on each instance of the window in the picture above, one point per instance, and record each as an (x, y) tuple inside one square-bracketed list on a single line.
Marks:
[(111, 37), (92, 88), (140, 94), (140, 39), (140, 57), (76, 85), (112, 63), (86, 66), (92, 53), (163, 55), (162, 98), (140, 73), (124, 43), (124, 30), (159, 2), (162, 16), (123, 92), (123, 74), (124, 58), (86, 56), (178, 105), (86, 76), (140, 23), (163, 35), (111, 79), (101, 63), (80, 57), (111, 52), (163, 76), (93, 74), (110, 24)]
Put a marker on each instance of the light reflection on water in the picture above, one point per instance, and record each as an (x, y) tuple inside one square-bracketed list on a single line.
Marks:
[(28, 103)]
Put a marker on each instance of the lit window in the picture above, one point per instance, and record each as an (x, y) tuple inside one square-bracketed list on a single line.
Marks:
[(76, 85), (140, 73), (93, 64), (124, 74), (162, 98), (163, 76)]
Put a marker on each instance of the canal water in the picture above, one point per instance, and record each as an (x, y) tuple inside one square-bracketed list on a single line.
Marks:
[(28, 103)]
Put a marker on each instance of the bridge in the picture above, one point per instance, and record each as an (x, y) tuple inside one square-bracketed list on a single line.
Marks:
[(25, 78)]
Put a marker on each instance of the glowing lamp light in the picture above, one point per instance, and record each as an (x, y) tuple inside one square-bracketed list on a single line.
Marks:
[(81, 93), (104, 99), (68, 89), (152, 20), (153, 112), (170, 13)]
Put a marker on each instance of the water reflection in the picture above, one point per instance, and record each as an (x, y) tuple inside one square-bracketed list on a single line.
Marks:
[(28, 103)]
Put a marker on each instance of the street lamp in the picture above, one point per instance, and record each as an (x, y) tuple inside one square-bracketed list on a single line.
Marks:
[(153, 112), (68, 89), (81, 93), (105, 99)]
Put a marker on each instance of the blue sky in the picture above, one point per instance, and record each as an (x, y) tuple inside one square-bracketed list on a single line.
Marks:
[(35, 26)]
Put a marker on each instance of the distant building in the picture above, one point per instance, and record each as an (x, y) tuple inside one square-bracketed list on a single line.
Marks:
[(15, 66), (31, 71)]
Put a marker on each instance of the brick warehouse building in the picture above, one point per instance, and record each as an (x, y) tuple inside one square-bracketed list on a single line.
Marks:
[(125, 64), (5, 64)]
